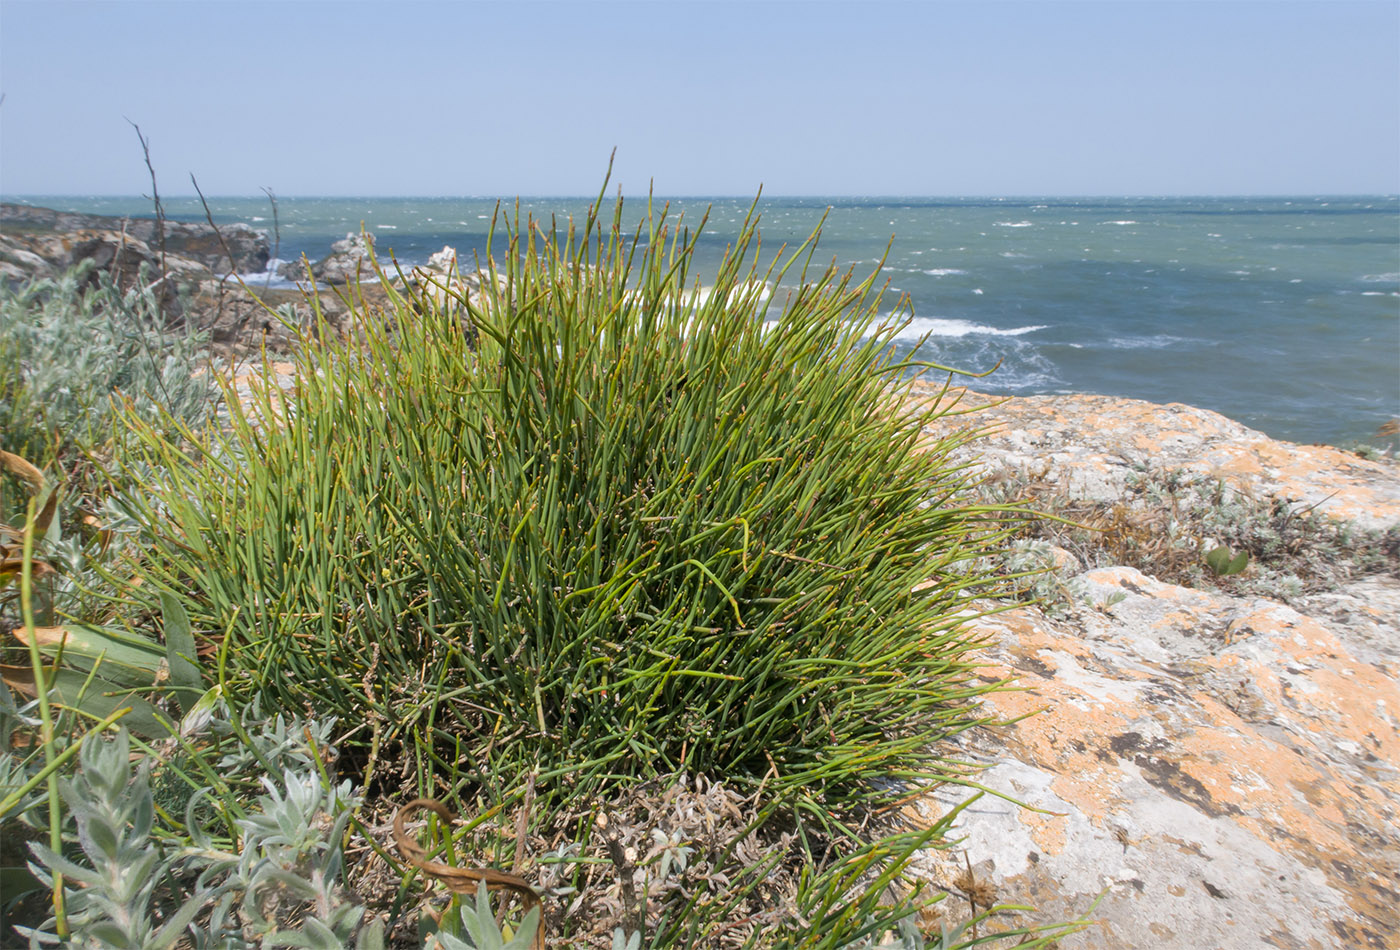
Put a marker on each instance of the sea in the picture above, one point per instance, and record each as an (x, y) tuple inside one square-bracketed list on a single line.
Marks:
[(1282, 313)]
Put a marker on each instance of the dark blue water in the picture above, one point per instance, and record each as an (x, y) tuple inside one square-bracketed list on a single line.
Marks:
[(1282, 313)]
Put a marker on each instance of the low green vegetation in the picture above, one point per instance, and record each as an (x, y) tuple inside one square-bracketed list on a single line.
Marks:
[(663, 592), (1192, 530), (624, 536)]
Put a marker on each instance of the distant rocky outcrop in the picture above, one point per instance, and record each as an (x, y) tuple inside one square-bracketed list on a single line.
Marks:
[(43, 243), (1215, 769), (348, 262), (444, 280), (46, 254), (233, 247), (128, 260)]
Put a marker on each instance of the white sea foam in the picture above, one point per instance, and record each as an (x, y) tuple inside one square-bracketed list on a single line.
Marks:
[(263, 278), (1015, 224), (1381, 278), (920, 327), (695, 298), (1159, 341), (1120, 222), (1013, 255), (387, 227), (944, 271)]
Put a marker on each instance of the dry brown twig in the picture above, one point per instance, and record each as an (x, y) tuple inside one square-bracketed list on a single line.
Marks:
[(461, 880)]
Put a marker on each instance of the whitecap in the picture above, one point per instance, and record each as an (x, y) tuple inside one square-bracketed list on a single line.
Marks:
[(1380, 278), (387, 227), (1120, 222), (696, 297), (256, 218), (1015, 224), (1157, 342), (977, 291), (1013, 255), (920, 327), (944, 271)]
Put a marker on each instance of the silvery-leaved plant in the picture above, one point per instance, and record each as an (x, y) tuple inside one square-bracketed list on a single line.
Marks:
[(621, 940), (483, 933), (117, 883)]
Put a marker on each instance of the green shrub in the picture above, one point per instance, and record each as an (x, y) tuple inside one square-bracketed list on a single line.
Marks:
[(632, 530)]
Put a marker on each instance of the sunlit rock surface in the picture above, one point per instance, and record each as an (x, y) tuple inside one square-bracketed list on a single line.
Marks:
[(1215, 770), (1091, 445)]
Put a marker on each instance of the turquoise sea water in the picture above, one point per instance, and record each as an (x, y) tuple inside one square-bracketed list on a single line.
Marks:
[(1282, 313)]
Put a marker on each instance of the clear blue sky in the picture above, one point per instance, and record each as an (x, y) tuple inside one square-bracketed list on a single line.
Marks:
[(853, 98)]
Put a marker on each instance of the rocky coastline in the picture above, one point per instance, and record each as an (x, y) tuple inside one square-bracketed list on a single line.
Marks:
[(1210, 762), (197, 259)]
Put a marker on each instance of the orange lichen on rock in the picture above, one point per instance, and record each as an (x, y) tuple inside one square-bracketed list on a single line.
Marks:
[(1224, 770), (1265, 769)]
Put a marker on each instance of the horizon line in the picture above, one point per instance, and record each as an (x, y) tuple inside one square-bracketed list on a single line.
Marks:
[(1027, 196)]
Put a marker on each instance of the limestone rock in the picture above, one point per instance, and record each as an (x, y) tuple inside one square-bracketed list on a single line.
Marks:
[(1224, 770), (1217, 770), (45, 254), (443, 278), (292, 270), (191, 240), (1091, 445), (128, 260), (348, 261), (19, 262)]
